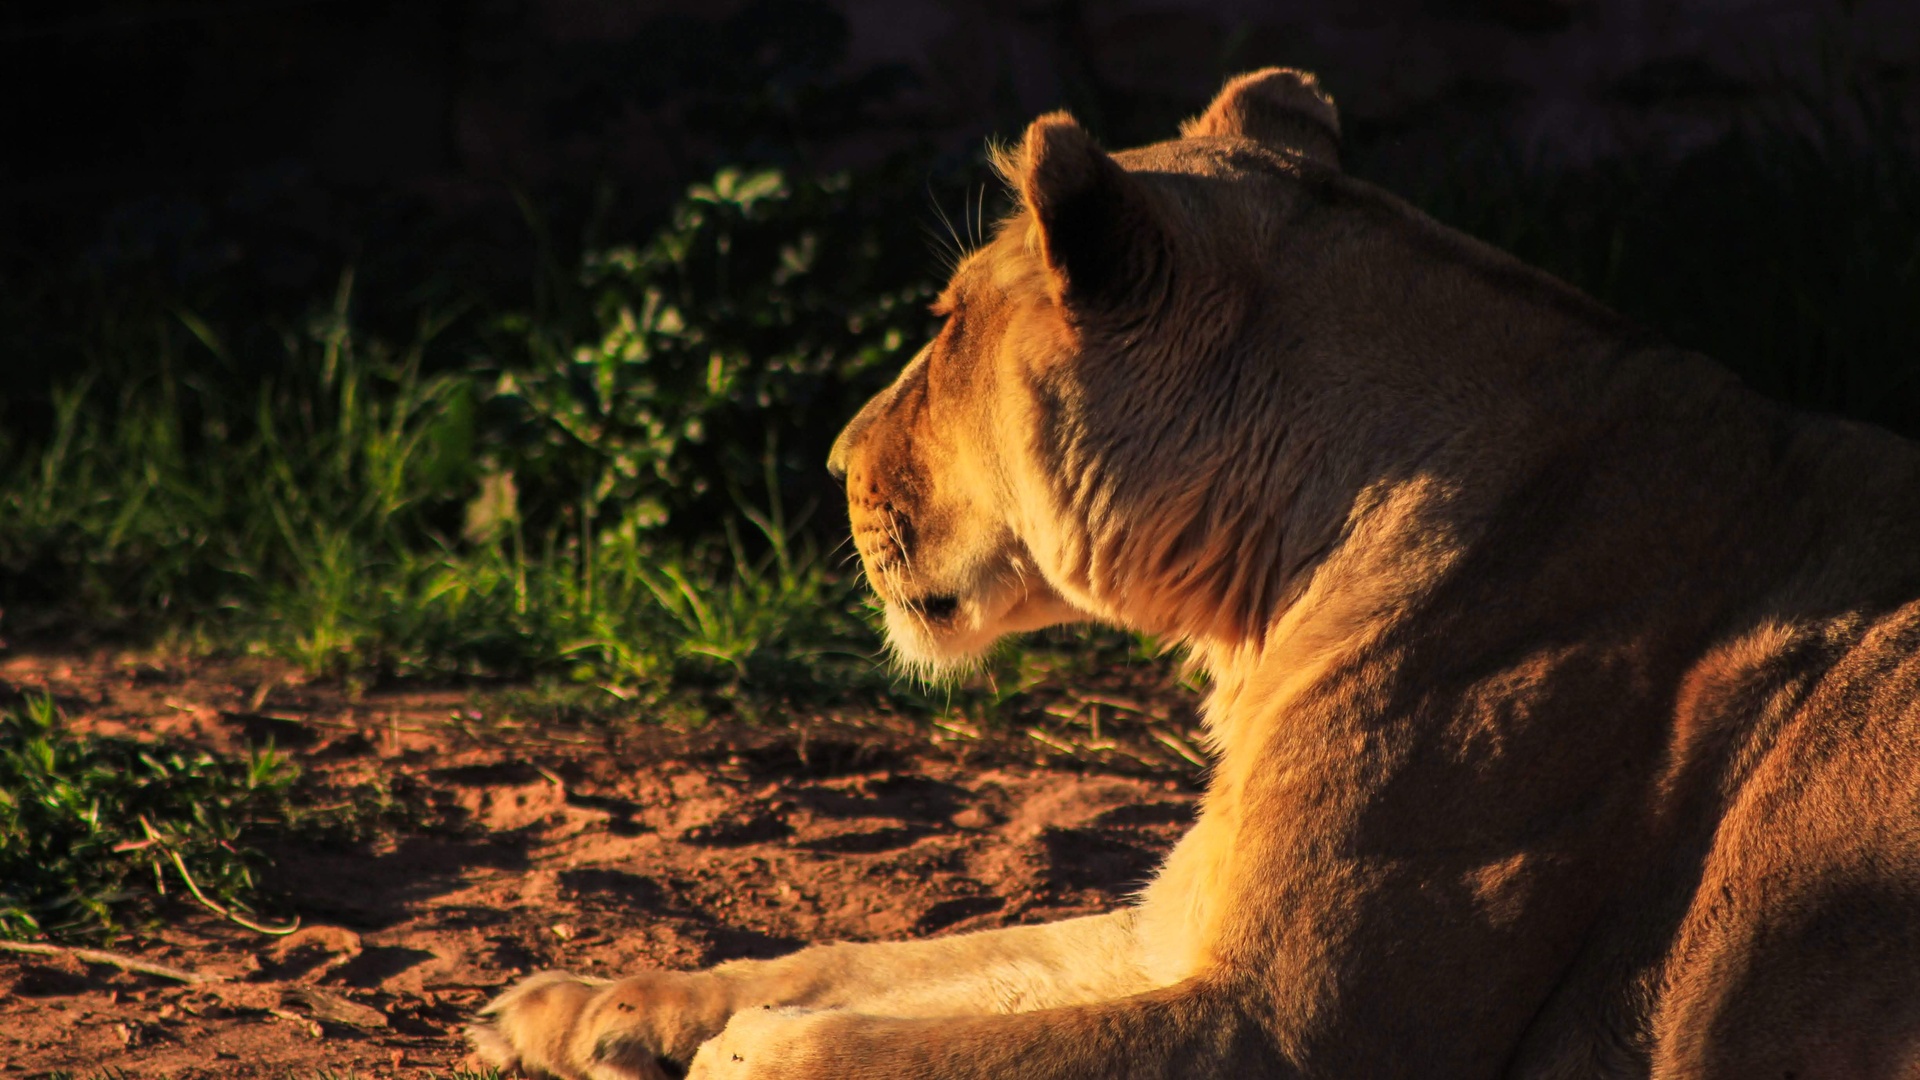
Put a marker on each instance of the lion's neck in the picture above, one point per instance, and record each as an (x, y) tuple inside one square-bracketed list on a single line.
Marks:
[(1397, 544)]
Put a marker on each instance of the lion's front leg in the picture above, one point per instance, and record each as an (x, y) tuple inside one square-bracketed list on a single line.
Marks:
[(1194, 1029), (565, 1026)]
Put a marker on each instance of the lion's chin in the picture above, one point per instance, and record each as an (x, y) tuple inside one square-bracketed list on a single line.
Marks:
[(943, 636)]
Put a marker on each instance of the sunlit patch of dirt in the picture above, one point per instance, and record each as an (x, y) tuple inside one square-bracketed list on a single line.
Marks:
[(600, 849)]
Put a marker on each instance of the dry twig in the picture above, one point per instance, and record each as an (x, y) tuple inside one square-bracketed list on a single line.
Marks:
[(101, 956), (1124, 704), (1052, 743), (1178, 745)]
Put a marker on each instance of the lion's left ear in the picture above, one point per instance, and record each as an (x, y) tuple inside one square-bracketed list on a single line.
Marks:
[(1101, 236), (1281, 107)]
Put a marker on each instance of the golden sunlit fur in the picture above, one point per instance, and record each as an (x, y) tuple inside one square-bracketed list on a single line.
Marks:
[(1564, 691)]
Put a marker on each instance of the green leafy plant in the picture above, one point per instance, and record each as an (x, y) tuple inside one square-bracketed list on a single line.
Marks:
[(617, 511), (99, 834), (95, 832), (744, 330)]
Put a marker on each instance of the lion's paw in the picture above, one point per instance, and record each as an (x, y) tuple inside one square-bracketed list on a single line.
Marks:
[(759, 1044), (554, 1024)]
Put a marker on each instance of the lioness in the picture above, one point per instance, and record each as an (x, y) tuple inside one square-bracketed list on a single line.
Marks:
[(1564, 691)]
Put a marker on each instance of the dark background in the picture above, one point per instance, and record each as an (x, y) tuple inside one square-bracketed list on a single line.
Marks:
[(286, 137)]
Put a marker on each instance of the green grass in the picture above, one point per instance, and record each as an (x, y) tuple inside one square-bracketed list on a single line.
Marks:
[(596, 508), (100, 835), (94, 832)]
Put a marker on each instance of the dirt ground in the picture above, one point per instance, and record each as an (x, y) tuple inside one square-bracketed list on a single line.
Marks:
[(598, 848)]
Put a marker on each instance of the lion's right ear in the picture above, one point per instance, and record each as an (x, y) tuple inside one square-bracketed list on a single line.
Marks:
[(1277, 106), (1100, 235)]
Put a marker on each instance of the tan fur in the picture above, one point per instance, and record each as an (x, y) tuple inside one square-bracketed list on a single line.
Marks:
[(1564, 692)]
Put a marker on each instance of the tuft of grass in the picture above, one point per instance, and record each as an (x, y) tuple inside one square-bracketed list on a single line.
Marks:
[(98, 834), (95, 831)]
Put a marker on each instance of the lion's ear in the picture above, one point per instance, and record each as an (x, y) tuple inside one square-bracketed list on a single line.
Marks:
[(1100, 235), (1277, 106)]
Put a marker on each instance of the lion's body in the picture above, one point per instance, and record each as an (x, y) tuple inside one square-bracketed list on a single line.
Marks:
[(1566, 695)]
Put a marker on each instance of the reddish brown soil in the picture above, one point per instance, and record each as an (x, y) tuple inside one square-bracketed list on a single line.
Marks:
[(602, 849)]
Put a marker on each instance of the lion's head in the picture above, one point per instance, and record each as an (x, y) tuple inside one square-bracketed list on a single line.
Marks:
[(1070, 446), (1183, 382)]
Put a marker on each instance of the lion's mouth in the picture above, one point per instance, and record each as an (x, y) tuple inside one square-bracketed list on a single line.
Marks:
[(935, 608)]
